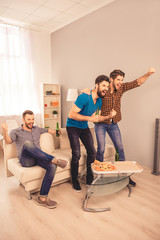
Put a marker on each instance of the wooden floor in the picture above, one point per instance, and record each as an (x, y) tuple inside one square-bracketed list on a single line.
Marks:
[(131, 218)]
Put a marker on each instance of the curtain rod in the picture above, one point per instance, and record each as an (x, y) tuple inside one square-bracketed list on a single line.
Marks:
[(16, 25)]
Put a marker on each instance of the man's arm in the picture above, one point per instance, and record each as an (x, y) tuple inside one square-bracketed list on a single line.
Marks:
[(86, 90), (104, 118), (6, 137), (51, 131), (142, 79), (74, 114)]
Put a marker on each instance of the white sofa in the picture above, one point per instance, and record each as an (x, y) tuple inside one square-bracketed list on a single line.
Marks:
[(31, 178)]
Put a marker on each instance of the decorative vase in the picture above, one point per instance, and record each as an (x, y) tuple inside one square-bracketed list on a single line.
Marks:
[(55, 115)]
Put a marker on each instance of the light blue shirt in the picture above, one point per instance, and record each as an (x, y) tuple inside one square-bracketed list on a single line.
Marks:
[(87, 106)]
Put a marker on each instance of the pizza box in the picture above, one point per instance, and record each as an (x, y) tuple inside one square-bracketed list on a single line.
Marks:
[(122, 167)]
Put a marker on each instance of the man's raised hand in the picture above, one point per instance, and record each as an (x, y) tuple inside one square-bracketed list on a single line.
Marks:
[(4, 127), (151, 70)]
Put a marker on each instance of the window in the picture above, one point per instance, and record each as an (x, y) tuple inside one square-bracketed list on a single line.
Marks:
[(18, 88)]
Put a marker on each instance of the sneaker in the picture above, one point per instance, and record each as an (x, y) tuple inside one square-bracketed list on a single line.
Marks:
[(89, 179), (76, 185), (47, 203), (132, 183), (62, 163)]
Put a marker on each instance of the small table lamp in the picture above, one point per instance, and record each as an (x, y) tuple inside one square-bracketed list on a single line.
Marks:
[(72, 95)]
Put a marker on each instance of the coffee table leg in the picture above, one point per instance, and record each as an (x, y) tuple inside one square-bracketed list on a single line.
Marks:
[(130, 190), (85, 208)]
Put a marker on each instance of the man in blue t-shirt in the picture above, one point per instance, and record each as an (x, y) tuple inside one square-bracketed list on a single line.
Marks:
[(83, 111)]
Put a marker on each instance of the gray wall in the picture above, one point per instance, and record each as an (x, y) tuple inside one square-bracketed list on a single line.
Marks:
[(122, 35)]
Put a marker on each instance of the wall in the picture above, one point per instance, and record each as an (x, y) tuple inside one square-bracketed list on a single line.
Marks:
[(41, 53), (41, 56), (122, 35)]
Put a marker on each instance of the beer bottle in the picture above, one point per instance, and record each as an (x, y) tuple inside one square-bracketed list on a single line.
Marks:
[(57, 129), (117, 155), (97, 113)]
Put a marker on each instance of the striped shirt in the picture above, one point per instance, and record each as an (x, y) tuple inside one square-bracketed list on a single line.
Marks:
[(20, 136), (113, 101)]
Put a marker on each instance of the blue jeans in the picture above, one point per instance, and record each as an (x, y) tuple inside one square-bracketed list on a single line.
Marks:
[(74, 134), (32, 156), (115, 135)]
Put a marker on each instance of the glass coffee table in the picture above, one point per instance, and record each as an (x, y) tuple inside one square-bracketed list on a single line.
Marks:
[(109, 182)]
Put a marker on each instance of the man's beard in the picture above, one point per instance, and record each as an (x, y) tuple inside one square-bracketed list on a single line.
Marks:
[(28, 126), (115, 88), (99, 93)]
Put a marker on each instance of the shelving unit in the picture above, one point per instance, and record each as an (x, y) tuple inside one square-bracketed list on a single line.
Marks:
[(51, 102)]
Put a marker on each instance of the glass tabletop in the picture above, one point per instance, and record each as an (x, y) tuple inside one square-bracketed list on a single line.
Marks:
[(107, 184), (105, 178)]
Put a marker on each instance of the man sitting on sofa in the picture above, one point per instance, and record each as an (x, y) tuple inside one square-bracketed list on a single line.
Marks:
[(27, 140)]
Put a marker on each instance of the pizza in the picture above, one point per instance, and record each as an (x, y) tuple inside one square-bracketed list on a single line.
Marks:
[(103, 166)]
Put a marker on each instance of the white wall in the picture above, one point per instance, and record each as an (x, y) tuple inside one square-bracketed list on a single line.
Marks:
[(41, 56), (123, 35)]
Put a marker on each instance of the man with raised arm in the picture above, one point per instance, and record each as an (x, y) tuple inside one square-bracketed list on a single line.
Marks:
[(112, 100)]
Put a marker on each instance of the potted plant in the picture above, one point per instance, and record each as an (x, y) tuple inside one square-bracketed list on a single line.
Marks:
[(55, 114)]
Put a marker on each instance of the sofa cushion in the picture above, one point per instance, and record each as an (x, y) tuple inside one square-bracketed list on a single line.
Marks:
[(109, 150), (64, 140), (27, 174), (24, 174), (66, 154), (47, 143)]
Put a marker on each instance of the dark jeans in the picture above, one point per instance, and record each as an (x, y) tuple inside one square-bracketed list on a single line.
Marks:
[(32, 156), (85, 135)]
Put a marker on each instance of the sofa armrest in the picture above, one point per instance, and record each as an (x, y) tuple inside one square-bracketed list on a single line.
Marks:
[(10, 151)]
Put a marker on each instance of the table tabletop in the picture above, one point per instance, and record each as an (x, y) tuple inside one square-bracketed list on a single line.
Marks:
[(122, 167)]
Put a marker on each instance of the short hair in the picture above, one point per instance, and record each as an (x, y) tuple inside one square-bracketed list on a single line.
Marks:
[(27, 112), (115, 73), (101, 78)]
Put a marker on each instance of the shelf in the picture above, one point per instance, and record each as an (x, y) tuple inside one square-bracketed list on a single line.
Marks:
[(51, 102), (46, 119), (52, 95), (51, 107)]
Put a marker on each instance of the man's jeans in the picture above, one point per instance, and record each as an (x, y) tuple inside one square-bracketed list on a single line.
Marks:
[(115, 135), (32, 156), (85, 135)]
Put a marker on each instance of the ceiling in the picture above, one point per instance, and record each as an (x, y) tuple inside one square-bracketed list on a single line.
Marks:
[(46, 15)]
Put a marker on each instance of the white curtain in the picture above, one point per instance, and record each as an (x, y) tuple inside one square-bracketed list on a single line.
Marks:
[(18, 87)]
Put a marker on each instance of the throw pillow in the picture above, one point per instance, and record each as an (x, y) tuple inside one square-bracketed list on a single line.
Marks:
[(47, 143)]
